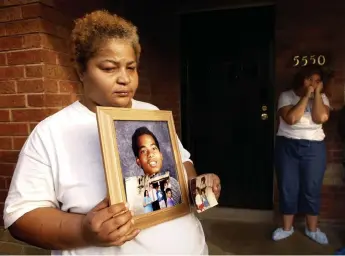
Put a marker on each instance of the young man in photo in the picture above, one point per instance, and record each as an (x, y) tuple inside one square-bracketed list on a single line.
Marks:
[(149, 158)]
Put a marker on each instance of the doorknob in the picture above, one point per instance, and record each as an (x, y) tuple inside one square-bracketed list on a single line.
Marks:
[(264, 116)]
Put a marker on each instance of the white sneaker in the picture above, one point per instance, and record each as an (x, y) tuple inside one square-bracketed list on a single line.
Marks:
[(317, 236), (280, 234)]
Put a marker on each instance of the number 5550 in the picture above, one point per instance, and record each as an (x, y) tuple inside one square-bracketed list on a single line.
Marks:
[(303, 61)]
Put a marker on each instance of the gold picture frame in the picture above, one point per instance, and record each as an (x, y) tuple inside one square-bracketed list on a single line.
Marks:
[(115, 123)]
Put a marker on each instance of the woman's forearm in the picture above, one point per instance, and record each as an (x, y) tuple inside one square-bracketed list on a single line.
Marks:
[(320, 111), (296, 112), (50, 229), (191, 172)]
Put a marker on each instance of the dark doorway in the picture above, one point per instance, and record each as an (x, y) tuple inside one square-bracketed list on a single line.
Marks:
[(228, 101)]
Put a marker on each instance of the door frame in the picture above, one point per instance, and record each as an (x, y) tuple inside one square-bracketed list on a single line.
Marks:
[(184, 78)]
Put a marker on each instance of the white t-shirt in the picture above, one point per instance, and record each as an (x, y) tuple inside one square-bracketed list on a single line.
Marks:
[(305, 128), (61, 166)]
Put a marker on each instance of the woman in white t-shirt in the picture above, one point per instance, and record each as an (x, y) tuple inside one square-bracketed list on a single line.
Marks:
[(300, 154), (56, 198)]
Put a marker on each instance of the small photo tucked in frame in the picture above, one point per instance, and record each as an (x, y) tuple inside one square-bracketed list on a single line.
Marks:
[(202, 193), (142, 164)]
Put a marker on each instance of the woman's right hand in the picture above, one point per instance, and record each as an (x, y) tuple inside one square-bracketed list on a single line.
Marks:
[(309, 91), (108, 225)]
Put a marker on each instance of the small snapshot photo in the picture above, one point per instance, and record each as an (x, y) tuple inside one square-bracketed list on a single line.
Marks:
[(202, 193), (148, 166)]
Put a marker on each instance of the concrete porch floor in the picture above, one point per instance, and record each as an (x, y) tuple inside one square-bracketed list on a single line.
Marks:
[(230, 231), (252, 235)]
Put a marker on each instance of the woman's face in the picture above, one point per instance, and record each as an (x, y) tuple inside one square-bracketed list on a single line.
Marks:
[(111, 77), (313, 81)]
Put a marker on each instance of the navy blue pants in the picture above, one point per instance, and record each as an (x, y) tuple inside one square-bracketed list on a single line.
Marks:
[(300, 167)]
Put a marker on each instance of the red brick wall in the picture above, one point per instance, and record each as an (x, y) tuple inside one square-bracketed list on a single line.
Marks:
[(36, 75)]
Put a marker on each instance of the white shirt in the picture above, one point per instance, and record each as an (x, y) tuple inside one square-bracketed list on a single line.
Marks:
[(198, 199), (153, 194), (305, 128), (61, 166)]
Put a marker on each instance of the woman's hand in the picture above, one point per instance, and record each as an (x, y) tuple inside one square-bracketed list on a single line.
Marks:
[(309, 91), (108, 225), (319, 87)]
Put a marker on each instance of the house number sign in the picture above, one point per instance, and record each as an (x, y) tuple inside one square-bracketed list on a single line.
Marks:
[(302, 61)]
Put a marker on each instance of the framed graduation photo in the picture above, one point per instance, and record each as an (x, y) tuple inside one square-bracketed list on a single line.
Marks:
[(142, 163)]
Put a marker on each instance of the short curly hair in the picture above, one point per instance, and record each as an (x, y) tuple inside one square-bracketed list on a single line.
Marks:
[(96, 27)]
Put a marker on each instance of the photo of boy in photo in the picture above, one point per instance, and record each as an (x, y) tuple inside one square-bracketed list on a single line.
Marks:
[(162, 190)]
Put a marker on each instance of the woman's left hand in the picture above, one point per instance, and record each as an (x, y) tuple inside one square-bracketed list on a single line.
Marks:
[(319, 87)]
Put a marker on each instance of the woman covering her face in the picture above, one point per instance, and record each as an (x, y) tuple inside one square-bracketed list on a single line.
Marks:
[(301, 152), (57, 199)]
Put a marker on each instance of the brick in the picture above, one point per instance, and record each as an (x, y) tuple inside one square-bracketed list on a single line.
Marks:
[(37, 86), (54, 43), (7, 87), (18, 142), (2, 29), (45, 12), (2, 183), (8, 156), (24, 57), (50, 86), (11, 43), (23, 27), (12, 101), (6, 169), (69, 87), (31, 57), (18, 2), (54, 29), (49, 100), (30, 86), (9, 179), (11, 72), (31, 115), (31, 11), (32, 126), (3, 195), (5, 143), (32, 41), (64, 59), (4, 115), (10, 129), (49, 57), (59, 72), (10, 14), (34, 71), (3, 59)]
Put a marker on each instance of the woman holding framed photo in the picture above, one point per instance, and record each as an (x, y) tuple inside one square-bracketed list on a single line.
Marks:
[(57, 198)]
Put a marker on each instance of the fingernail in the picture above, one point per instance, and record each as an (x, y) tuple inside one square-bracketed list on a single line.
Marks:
[(132, 213), (132, 220), (127, 205)]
